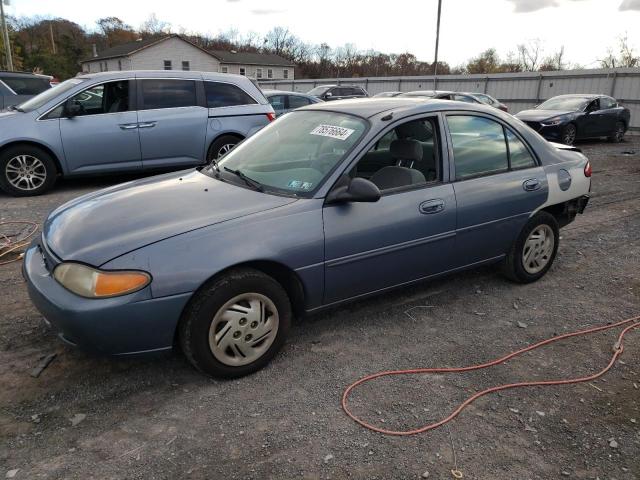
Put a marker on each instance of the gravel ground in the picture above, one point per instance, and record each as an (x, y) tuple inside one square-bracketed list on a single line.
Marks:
[(88, 417)]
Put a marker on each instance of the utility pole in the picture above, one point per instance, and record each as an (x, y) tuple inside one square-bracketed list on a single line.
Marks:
[(7, 46), (435, 63)]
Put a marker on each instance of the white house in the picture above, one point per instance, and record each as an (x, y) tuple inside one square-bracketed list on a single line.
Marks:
[(173, 52)]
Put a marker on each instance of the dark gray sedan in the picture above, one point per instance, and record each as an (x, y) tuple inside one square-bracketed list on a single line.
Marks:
[(284, 102), (328, 204)]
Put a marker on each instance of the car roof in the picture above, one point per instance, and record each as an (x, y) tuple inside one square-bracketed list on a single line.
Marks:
[(580, 95), (372, 106), (284, 92), (428, 92), (23, 74), (166, 73)]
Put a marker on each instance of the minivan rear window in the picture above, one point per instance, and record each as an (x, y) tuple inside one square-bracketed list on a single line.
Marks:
[(26, 85), (225, 95)]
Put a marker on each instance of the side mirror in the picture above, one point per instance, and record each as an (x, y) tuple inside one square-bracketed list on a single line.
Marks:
[(328, 95), (357, 190), (72, 108)]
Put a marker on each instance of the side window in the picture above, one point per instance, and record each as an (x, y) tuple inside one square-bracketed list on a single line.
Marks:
[(164, 93), (479, 146), (297, 102), (278, 103), (405, 156), (463, 98), (594, 106), (519, 155), (607, 102), (111, 97), (225, 95)]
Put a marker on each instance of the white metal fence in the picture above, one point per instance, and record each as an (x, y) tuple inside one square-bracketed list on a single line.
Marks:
[(518, 91)]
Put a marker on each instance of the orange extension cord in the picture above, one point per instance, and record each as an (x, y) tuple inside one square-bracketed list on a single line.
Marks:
[(12, 242), (618, 348)]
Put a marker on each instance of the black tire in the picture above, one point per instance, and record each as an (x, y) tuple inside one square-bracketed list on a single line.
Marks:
[(40, 162), (569, 134), (216, 149), (618, 133), (201, 312), (513, 265)]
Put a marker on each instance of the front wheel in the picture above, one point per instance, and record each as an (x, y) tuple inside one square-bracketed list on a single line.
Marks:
[(236, 324), (534, 251), (26, 170), (569, 134)]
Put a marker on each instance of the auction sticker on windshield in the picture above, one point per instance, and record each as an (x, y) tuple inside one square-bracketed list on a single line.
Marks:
[(332, 131)]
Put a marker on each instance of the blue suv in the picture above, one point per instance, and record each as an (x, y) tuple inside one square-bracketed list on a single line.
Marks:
[(126, 122)]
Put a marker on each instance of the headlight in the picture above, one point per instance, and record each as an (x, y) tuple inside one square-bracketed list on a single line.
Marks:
[(92, 283), (552, 122)]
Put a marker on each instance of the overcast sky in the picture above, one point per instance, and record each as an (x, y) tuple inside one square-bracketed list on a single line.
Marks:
[(585, 27)]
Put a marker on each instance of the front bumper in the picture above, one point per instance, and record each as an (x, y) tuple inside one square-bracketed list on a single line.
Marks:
[(552, 132), (126, 325)]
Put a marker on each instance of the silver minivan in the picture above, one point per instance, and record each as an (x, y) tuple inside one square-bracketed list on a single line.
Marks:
[(126, 122)]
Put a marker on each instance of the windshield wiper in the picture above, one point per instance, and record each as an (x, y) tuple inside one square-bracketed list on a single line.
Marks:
[(248, 180)]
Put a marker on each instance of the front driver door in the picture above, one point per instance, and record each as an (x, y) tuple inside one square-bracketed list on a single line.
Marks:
[(406, 235), (103, 136)]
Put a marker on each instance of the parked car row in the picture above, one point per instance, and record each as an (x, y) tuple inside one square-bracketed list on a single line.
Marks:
[(17, 87)]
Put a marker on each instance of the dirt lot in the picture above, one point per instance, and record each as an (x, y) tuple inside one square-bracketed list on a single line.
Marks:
[(158, 418)]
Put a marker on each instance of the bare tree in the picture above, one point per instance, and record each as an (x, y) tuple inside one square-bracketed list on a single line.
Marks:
[(529, 55), (154, 27)]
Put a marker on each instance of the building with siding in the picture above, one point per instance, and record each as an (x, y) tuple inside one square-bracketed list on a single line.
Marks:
[(173, 52)]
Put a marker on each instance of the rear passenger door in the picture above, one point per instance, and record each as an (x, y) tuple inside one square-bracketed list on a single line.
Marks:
[(610, 112), (172, 122), (498, 183)]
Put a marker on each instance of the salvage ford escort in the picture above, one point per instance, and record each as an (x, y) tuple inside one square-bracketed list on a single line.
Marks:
[(328, 204)]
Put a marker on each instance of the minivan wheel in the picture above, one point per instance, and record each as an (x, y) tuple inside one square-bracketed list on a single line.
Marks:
[(569, 134), (222, 146), (26, 170), (618, 133), (534, 251), (236, 324)]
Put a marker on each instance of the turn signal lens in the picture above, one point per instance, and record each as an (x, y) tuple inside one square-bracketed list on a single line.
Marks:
[(92, 283), (587, 169)]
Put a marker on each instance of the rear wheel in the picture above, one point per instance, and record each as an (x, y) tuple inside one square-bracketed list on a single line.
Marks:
[(236, 324), (26, 170), (569, 134), (534, 251), (221, 146), (618, 133)]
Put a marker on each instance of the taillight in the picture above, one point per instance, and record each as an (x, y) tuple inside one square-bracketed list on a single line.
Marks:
[(271, 116), (587, 169)]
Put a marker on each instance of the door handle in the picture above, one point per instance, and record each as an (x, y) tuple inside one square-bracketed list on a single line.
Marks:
[(531, 185), (147, 125), (432, 206), (128, 126)]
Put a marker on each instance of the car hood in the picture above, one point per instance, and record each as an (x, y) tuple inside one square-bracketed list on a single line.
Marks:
[(100, 226), (536, 115)]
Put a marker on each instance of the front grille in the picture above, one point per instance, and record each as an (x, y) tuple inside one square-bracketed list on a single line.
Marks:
[(48, 257), (535, 125)]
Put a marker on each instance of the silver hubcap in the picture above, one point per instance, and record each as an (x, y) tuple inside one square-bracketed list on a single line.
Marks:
[(25, 172), (226, 148), (569, 135), (243, 329), (538, 249)]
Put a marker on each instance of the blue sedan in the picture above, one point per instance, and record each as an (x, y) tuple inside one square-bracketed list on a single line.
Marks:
[(328, 204)]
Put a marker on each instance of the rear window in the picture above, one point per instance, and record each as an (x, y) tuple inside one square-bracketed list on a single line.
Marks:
[(26, 85), (168, 94), (226, 95)]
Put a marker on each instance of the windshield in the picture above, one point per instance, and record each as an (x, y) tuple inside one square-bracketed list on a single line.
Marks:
[(295, 154), (564, 103), (26, 85), (48, 95), (318, 91)]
